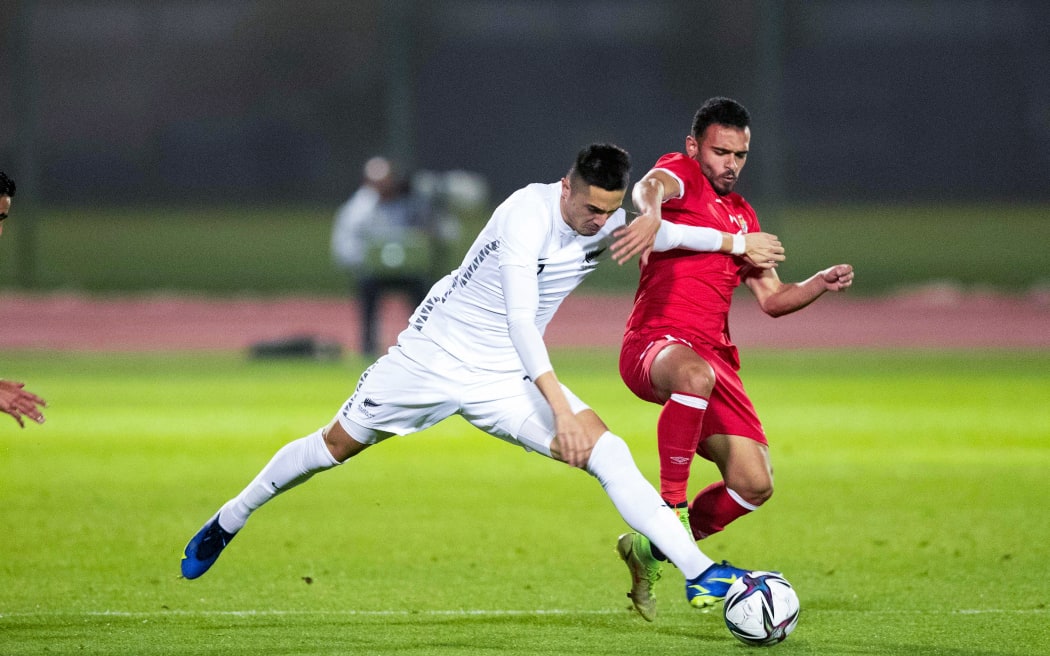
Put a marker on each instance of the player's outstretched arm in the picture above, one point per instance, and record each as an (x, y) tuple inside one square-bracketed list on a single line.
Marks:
[(16, 401), (777, 298), (760, 249)]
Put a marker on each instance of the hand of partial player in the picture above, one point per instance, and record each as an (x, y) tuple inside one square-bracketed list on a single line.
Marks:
[(636, 238), (763, 250), (19, 403), (837, 278)]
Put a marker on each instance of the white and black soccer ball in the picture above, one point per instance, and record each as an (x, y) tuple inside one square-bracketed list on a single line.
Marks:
[(761, 608)]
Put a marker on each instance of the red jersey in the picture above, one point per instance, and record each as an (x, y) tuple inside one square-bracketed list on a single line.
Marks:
[(684, 293)]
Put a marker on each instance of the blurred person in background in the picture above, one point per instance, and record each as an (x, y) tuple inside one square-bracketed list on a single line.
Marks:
[(15, 400), (677, 350), (387, 238)]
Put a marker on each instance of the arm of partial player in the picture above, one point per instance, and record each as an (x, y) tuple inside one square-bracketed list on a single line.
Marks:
[(18, 402)]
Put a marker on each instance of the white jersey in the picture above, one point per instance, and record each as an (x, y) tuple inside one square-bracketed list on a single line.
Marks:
[(466, 313)]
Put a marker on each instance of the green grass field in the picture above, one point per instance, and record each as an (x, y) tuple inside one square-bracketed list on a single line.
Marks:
[(910, 515)]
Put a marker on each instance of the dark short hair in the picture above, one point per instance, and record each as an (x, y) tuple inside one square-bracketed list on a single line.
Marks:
[(7, 185), (602, 165), (720, 111)]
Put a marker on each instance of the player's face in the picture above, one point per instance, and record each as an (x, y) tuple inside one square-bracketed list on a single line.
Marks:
[(586, 208), (5, 207), (722, 153)]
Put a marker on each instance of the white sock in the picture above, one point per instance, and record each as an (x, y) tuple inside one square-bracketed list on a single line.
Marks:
[(293, 464), (641, 507)]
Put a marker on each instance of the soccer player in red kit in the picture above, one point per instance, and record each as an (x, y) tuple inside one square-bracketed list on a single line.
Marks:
[(677, 350)]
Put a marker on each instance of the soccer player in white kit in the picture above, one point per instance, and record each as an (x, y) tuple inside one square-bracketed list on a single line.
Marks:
[(475, 348)]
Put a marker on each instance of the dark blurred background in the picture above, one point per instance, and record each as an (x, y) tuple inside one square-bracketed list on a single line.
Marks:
[(174, 103)]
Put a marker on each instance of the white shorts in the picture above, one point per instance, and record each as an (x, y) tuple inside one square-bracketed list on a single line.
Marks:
[(417, 384)]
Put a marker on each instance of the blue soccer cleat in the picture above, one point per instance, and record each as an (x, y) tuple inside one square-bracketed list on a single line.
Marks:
[(711, 585), (204, 548)]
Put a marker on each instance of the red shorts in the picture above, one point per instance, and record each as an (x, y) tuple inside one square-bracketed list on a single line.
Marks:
[(729, 410)]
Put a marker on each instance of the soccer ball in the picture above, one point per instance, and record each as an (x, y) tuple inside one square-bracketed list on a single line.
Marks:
[(761, 608)]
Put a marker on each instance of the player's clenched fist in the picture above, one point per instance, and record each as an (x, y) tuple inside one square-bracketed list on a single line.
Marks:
[(837, 277)]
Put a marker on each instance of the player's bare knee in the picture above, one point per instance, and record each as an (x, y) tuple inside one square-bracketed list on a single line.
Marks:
[(757, 494), (752, 491), (763, 495), (678, 369), (340, 444), (698, 379)]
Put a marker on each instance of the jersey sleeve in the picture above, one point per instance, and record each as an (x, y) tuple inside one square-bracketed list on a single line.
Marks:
[(521, 292), (523, 231), (693, 238), (678, 167)]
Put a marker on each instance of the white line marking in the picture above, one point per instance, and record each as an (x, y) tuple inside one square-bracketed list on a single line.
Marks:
[(478, 612), (279, 613)]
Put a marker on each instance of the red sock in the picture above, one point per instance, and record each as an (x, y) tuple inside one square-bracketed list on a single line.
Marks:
[(714, 508), (677, 436)]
